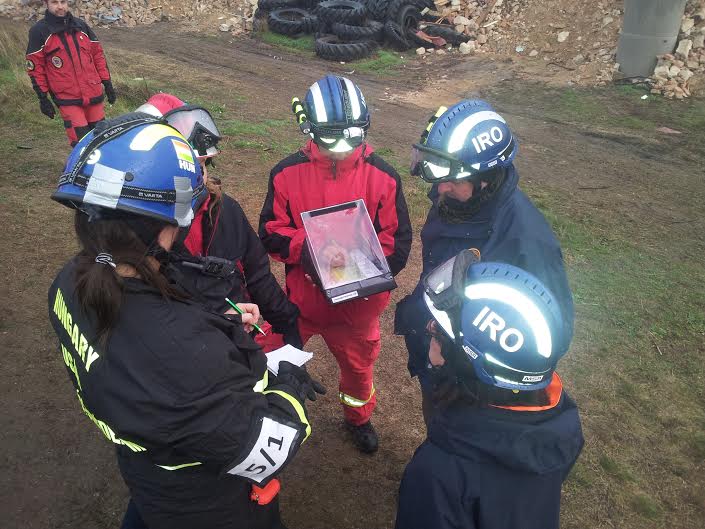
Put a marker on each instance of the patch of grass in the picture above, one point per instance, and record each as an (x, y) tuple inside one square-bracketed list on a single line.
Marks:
[(384, 62), (581, 476), (302, 45), (615, 469), (384, 152), (266, 128), (611, 107), (697, 446), (645, 506)]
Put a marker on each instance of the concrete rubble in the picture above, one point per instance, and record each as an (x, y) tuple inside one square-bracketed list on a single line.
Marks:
[(678, 74), (234, 16)]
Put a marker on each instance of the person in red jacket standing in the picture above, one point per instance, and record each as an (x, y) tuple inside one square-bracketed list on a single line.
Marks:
[(334, 167), (65, 60)]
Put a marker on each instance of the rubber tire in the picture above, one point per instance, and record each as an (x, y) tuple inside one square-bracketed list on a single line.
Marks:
[(395, 6), (289, 21), (372, 30), (395, 37), (269, 5), (329, 47), (377, 9), (449, 34), (343, 11), (408, 17)]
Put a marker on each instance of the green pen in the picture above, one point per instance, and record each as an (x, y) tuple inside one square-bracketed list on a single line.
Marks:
[(239, 311)]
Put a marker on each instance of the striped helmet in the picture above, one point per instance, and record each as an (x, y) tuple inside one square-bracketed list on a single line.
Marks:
[(337, 117), (467, 141)]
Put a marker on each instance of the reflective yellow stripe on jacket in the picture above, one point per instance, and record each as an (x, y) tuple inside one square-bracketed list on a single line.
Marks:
[(297, 407)]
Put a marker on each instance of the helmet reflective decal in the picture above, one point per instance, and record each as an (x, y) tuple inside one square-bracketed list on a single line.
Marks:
[(104, 187), (94, 157), (460, 134), (147, 138), (354, 100), (183, 212), (318, 104), (527, 308)]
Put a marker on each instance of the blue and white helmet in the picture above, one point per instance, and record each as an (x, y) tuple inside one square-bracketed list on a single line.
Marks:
[(467, 141), (336, 114), (134, 164), (507, 323)]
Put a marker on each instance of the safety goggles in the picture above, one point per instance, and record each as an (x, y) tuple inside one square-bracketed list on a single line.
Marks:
[(437, 166), (197, 126), (444, 287), (336, 139), (338, 144)]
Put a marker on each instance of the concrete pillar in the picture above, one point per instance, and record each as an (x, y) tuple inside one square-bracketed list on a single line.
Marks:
[(650, 28)]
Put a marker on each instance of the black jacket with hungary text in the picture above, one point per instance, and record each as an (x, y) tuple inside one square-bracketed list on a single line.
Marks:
[(183, 394)]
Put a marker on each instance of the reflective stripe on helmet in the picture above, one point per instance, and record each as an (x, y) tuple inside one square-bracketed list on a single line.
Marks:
[(104, 186), (522, 304), (298, 408), (354, 99), (319, 106), (460, 134), (353, 402)]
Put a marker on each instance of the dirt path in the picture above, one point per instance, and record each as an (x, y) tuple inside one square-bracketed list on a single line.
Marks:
[(57, 470)]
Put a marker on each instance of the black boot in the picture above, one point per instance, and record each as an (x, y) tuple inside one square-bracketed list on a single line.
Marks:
[(364, 437)]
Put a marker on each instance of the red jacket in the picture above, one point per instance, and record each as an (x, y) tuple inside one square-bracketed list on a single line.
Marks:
[(65, 59), (308, 180)]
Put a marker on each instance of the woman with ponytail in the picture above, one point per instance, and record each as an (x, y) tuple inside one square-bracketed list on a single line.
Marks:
[(181, 392)]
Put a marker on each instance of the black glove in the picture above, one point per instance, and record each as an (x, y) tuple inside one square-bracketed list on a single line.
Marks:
[(300, 381), (293, 338), (109, 92), (46, 107)]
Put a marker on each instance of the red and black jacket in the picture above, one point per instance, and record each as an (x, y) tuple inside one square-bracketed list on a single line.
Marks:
[(227, 233), (309, 180), (64, 58)]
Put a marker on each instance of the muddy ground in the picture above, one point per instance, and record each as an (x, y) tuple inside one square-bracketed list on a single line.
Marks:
[(57, 469)]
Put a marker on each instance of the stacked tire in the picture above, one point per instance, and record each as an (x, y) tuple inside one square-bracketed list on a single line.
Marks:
[(346, 30)]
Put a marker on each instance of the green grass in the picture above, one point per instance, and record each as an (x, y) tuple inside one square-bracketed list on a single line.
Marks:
[(612, 107), (646, 506), (384, 62), (615, 469), (302, 45)]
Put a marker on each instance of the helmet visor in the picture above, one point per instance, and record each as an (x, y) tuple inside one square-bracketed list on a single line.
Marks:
[(338, 144), (435, 166), (197, 126)]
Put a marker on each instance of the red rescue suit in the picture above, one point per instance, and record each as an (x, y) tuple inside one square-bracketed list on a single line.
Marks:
[(65, 59), (309, 180)]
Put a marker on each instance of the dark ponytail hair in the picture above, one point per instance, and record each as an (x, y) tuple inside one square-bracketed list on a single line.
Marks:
[(98, 287)]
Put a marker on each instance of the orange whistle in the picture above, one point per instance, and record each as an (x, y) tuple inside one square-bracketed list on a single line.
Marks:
[(264, 495)]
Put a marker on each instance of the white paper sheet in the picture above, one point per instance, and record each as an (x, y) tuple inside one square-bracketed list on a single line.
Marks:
[(288, 353)]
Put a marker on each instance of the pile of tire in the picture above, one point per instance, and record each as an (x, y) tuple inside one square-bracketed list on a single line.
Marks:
[(346, 30)]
